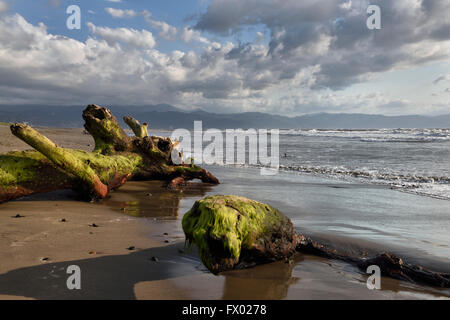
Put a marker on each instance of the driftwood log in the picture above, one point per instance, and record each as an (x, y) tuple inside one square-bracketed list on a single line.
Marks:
[(115, 159), (390, 265)]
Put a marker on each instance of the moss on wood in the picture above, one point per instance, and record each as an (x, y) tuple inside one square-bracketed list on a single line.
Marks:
[(223, 227), (115, 159)]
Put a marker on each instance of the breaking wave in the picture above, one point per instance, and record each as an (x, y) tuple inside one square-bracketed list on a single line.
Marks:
[(379, 135)]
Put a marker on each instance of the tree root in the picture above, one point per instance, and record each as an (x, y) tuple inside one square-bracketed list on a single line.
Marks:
[(185, 173), (116, 159)]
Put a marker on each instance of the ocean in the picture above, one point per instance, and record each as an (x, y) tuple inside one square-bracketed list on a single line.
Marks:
[(410, 160)]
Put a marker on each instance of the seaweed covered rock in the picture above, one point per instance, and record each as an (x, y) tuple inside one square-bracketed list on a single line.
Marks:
[(235, 232)]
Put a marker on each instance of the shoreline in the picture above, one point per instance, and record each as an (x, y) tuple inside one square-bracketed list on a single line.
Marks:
[(116, 257)]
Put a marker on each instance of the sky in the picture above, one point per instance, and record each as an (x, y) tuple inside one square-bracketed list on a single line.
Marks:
[(287, 57)]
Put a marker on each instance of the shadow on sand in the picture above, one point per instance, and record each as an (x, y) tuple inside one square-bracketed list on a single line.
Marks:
[(115, 276)]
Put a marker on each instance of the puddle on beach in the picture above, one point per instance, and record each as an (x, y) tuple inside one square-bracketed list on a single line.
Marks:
[(152, 199), (306, 277)]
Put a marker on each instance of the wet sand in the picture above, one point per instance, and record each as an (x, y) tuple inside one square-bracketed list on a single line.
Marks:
[(138, 223)]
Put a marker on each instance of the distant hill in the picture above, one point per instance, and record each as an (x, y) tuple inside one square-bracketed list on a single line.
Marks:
[(164, 116)]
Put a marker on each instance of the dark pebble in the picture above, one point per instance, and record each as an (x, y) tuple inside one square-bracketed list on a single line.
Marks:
[(18, 216), (154, 259), (93, 225), (62, 220), (131, 248)]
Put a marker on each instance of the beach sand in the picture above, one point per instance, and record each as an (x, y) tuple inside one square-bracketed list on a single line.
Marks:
[(132, 230)]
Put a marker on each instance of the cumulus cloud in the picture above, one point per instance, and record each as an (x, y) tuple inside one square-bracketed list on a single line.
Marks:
[(333, 35), (136, 38), (39, 67)]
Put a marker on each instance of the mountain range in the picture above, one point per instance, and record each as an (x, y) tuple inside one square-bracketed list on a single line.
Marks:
[(164, 116)]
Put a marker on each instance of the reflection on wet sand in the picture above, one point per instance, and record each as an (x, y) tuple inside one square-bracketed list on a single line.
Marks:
[(115, 272), (152, 198), (265, 282)]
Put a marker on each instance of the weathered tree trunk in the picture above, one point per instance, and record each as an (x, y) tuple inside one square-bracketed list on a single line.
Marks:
[(115, 159), (61, 158)]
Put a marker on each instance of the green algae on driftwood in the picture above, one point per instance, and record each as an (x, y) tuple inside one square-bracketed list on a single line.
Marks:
[(115, 159), (233, 232)]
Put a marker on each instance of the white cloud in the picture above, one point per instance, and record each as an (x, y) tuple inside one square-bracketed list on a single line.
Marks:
[(190, 34), (167, 31), (119, 13), (136, 38)]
